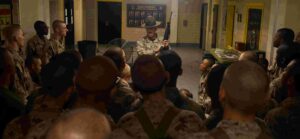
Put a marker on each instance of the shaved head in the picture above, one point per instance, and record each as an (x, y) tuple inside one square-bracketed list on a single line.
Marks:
[(80, 124), (249, 55), (148, 74), (245, 85)]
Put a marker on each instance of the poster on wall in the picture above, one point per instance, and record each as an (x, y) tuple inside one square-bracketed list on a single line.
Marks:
[(136, 13), (5, 17)]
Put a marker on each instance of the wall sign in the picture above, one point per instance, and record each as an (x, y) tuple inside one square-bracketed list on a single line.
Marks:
[(136, 13)]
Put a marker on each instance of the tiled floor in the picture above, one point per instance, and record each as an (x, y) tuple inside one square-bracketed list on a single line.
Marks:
[(191, 57)]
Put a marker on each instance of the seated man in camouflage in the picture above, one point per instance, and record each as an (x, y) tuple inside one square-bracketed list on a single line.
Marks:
[(151, 44), (39, 45), (205, 67), (57, 40), (11, 105), (57, 87), (95, 81), (14, 43), (124, 99), (157, 118), (81, 123), (241, 96), (34, 66), (213, 83), (172, 64), (284, 120)]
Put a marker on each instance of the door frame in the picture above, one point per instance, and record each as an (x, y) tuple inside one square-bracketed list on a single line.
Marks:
[(203, 31), (233, 24)]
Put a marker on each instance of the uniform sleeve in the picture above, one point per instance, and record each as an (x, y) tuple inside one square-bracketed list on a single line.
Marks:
[(20, 90), (23, 83)]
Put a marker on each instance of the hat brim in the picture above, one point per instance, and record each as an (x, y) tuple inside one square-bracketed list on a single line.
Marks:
[(157, 23)]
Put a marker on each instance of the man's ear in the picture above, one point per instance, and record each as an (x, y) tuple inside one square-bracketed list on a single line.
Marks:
[(180, 71), (55, 30), (222, 94)]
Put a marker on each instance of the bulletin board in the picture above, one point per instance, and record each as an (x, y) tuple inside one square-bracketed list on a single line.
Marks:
[(136, 13), (5, 17)]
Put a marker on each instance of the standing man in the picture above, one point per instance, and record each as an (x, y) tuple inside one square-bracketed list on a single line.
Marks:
[(39, 45), (283, 40), (57, 39), (151, 43)]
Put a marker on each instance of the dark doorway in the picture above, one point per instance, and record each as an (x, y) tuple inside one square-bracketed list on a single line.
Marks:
[(203, 25), (69, 19), (253, 29), (215, 26), (109, 21)]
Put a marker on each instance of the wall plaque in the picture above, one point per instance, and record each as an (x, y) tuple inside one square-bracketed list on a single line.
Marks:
[(136, 13)]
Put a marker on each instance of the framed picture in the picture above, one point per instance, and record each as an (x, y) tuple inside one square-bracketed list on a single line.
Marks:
[(136, 14)]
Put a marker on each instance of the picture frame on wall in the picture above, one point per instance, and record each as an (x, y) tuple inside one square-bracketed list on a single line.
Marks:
[(136, 14)]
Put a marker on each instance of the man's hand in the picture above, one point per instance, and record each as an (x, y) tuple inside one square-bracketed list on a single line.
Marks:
[(165, 43)]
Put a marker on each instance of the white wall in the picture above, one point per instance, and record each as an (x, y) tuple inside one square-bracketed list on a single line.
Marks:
[(31, 11), (91, 20), (78, 20), (283, 14)]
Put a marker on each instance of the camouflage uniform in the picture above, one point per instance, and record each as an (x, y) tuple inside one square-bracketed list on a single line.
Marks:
[(124, 100), (58, 46), (22, 83), (36, 123), (228, 129), (275, 71), (148, 47), (39, 47), (284, 120), (184, 122), (203, 98)]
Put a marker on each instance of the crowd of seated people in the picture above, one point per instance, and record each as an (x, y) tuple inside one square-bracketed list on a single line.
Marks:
[(50, 92)]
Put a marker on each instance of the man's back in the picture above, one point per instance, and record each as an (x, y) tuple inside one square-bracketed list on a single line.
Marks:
[(284, 121), (230, 129), (183, 123)]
